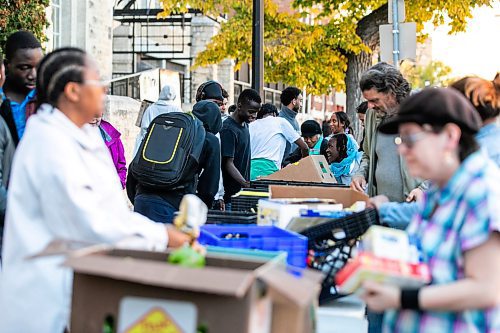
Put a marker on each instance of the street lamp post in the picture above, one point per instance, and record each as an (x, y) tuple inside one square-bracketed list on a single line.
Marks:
[(258, 47)]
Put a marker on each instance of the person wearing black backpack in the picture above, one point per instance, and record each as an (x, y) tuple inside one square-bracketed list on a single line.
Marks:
[(179, 155)]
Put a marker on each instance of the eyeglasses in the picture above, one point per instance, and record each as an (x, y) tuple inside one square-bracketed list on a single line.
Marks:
[(97, 83), (411, 139)]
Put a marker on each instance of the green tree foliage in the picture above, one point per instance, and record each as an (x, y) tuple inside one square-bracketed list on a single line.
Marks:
[(316, 55), (22, 15), (435, 74)]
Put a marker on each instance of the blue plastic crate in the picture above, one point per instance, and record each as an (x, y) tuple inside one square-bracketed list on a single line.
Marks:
[(268, 238)]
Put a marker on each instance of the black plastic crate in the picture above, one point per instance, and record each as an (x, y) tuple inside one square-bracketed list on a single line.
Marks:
[(264, 184), (233, 217), (330, 245), (248, 199)]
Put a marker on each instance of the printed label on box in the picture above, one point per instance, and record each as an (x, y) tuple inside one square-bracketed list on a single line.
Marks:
[(141, 315)]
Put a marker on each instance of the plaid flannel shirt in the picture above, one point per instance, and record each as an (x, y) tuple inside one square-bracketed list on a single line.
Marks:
[(454, 219)]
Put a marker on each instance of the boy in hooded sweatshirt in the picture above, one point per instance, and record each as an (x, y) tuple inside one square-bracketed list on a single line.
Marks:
[(165, 104), (160, 206)]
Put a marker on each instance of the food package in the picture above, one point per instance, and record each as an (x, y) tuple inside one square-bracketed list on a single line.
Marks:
[(367, 266)]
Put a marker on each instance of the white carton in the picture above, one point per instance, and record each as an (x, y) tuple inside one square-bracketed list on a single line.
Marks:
[(279, 212)]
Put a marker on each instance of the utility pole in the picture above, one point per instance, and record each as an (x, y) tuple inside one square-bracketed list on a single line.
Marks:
[(258, 47), (395, 33), (398, 39)]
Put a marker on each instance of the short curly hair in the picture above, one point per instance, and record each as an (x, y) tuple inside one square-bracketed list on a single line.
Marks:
[(289, 94), (267, 108), (385, 78)]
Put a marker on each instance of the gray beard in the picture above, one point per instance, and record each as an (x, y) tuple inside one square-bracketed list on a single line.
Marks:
[(388, 113)]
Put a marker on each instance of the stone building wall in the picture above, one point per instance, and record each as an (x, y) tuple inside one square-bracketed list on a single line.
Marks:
[(86, 24), (202, 31), (122, 113)]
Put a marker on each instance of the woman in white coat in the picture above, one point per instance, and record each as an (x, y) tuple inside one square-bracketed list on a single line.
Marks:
[(63, 186)]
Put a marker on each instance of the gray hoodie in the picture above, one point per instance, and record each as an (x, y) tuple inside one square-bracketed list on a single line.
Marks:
[(165, 104), (290, 116)]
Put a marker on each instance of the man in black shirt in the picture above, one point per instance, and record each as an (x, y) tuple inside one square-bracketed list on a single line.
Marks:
[(235, 144)]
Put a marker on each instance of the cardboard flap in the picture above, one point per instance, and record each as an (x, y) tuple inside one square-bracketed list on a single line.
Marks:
[(313, 168), (212, 280), (345, 196), (69, 247), (289, 289)]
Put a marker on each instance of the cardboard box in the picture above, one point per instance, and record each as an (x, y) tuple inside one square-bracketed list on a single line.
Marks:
[(140, 290), (312, 168), (394, 272), (272, 212), (345, 196)]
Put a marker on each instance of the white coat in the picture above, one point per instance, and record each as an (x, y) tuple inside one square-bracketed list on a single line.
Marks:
[(63, 186)]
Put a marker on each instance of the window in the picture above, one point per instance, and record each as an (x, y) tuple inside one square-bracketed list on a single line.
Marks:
[(56, 24)]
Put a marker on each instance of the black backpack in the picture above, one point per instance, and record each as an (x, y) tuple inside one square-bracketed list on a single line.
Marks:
[(169, 155)]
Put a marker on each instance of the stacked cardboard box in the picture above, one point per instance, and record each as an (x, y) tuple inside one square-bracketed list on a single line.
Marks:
[(291, 199)]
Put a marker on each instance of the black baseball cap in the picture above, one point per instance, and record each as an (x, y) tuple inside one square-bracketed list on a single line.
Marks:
[(435, 106), (210, 90), (310, 128)]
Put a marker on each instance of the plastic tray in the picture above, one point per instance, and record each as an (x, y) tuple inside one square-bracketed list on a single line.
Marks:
[(264, 184), (247, 199), (330, 245), (233, 217), (248, 254), (268, 238)]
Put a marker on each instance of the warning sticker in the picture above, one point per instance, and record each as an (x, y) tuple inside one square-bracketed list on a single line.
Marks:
[(147, 315), (157, 321)]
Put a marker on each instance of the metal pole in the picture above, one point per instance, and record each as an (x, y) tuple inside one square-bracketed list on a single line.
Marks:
[(258, 47), (395, 33)]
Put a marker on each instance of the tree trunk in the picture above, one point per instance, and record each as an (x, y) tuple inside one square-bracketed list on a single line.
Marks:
[(357, 64)]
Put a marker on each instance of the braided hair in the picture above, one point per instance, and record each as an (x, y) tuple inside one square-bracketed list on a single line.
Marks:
[(56, 70), (341, 142), (342, 118)]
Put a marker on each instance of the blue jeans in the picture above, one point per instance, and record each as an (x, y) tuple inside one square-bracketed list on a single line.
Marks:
[(154, 207), (375, 321)]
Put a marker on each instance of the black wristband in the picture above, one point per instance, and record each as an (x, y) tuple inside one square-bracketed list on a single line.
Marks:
[(409, 299)]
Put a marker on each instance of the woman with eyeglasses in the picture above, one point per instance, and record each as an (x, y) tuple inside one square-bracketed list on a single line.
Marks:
[(63, 187), (458, 222)]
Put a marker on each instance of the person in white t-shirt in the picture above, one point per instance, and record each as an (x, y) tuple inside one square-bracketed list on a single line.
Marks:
[(268, 137)]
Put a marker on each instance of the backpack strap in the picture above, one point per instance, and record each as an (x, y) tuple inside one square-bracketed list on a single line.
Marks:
[(6, 114)]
